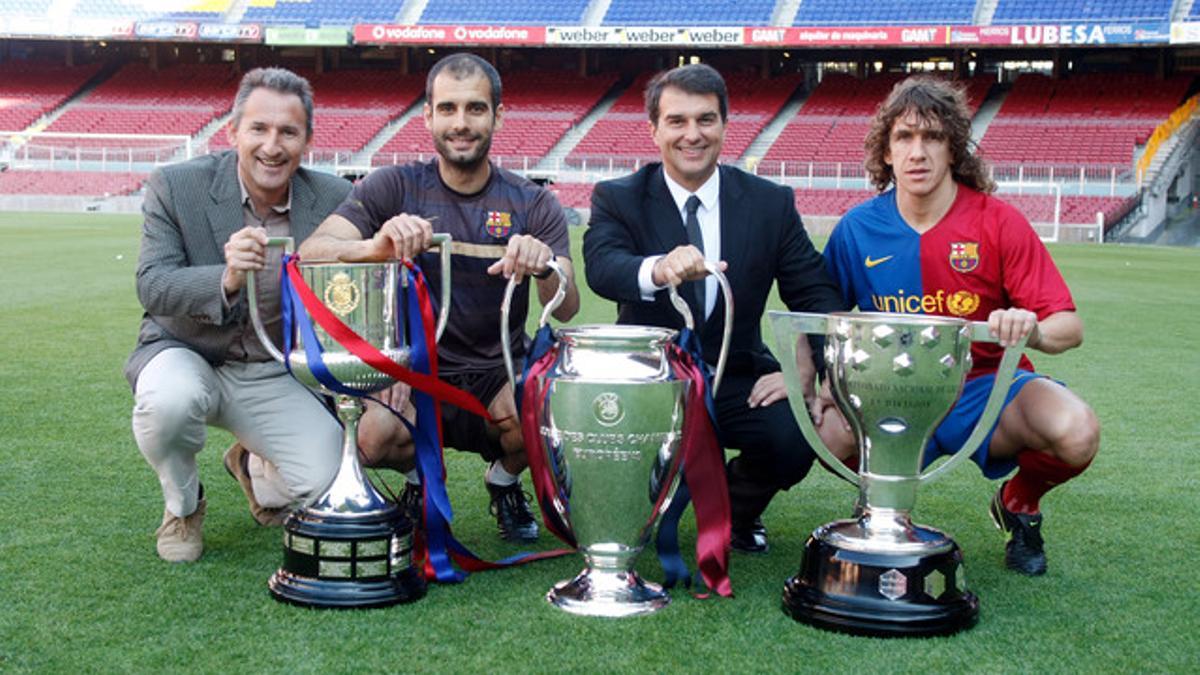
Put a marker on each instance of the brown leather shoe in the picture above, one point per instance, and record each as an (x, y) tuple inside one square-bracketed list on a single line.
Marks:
[(182, 539), (236, 458)]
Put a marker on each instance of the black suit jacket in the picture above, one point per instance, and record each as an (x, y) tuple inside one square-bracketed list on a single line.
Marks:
[(762, 240)]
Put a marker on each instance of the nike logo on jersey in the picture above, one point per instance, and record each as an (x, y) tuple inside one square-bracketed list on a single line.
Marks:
[(878, 261)]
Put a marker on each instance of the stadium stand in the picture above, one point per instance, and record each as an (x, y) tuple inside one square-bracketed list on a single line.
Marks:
[(833, 122), (623, 131), (1090, 119), (196, 10), (1038, 208), (883, 13), (1075, 209), (817, 202), (138, 100), (573, 195), (1039, 11), (1080, 210), (539, 108), (69, 183), (31, 89), (36, 8), (514, 12), (352, 106), (315, 13), (689, 13)]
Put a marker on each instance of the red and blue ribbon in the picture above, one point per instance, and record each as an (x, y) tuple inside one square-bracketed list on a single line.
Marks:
[(703, 465), (702, 480), (532, 394), (436, 549)]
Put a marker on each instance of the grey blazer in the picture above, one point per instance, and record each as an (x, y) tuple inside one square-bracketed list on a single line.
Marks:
[(190, 211)]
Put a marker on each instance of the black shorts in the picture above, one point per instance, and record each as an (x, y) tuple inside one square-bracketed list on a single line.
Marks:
[(466, 431)]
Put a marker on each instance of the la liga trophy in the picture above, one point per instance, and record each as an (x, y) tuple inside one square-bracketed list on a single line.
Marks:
[(894, 378), (350, 547), (610, 429)]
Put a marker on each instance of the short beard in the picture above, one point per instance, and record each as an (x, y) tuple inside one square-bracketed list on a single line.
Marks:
[(468, 164)]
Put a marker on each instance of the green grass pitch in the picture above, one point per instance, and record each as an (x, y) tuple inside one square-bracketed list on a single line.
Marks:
[(82, 589)]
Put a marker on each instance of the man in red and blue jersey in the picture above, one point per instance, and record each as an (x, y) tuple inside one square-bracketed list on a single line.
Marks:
[(939, 243)]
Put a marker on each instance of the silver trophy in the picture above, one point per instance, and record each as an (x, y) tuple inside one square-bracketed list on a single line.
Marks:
[(351, 547), (894, 378), (611, 428)]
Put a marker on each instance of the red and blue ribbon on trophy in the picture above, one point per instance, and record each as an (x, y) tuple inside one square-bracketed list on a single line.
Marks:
[(435, 547), (703, 467)]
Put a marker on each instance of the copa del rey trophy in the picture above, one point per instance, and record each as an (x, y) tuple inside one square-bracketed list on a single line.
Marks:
[(894, 378), (609, 426), (350, 547)]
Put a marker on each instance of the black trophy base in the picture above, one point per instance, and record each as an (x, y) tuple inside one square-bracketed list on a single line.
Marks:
[(881, 595), (340, 561)]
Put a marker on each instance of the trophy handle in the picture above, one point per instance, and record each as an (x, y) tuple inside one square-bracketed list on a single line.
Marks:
[(978, 332), (681, 306), (788, 327), (559, 295), (442, 240), (288, 245)]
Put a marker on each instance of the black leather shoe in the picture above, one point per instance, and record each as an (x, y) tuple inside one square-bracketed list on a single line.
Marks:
[(511, 509), (750, 537)]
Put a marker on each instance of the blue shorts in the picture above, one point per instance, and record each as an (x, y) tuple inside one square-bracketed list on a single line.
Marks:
[(952, 433)]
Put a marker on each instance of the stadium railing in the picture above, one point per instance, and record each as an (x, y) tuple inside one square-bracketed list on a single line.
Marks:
[(94, 152)]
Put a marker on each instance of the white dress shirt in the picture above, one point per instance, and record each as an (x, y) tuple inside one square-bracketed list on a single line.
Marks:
[(709, 216)]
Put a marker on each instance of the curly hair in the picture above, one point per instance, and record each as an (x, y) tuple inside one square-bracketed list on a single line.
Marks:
[(931, 100)]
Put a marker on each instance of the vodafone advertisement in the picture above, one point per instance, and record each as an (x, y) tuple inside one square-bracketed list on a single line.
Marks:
[(383, 34), (873, 36)]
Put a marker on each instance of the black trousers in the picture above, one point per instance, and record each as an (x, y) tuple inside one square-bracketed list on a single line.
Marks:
[(774, 454)]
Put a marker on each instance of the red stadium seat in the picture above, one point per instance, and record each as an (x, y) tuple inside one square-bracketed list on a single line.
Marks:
[(69, 183), (624, 131), (539, 108)]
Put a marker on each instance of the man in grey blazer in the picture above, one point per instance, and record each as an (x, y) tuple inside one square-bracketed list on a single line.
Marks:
[(198, 361)]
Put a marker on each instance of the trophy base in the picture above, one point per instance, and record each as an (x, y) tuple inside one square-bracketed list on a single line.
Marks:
[(881, 594), (609, 594), (347, 561)]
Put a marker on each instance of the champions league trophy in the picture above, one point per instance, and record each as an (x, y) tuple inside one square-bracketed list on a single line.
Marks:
[(350, 548), (610, 426), (894, 378)]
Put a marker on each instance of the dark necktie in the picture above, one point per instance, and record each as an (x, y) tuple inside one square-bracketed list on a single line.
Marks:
[(695, 238)]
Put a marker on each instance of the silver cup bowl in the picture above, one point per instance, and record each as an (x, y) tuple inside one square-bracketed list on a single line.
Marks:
[(611, 427)]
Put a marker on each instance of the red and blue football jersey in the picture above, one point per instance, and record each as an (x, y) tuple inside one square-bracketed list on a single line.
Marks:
[(981, 256)]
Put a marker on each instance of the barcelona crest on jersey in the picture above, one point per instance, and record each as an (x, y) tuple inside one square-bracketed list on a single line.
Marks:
[(964, 255), (499, 223)]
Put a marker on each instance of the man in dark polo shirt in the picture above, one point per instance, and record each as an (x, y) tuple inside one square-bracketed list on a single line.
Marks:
[(502, 226)]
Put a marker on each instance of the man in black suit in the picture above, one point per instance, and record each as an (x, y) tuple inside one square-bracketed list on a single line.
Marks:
[(658, 226)]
